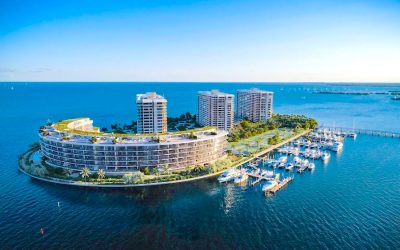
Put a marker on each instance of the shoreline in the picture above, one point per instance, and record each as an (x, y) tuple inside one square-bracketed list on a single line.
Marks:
[(21, 165)]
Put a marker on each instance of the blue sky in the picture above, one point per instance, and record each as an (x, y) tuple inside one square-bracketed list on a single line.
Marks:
[(274, 41)]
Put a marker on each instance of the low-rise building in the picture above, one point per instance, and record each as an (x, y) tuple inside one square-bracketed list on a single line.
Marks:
[(69, 145)]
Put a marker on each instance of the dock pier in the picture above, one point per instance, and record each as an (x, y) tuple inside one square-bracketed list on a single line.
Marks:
[(281, 185), (364, 131)]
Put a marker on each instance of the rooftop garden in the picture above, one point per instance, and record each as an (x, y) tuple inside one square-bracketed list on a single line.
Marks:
[(62, 127)]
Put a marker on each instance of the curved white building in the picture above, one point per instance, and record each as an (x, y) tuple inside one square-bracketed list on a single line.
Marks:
[(75, 144)]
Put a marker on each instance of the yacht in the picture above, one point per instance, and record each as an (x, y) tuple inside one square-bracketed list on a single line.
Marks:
[(241, 179), (283, 159), (289, 167), (267, 173), (228, 175), (352, 135), (269, 185), (337, 146), (296, 160), (325, 156)]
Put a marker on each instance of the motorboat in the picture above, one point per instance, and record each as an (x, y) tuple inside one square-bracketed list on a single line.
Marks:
[(352, 135), (325, 156), (269, 185), (283, 159), (311, 166), (268, 174), (337, 146), (228, 175), (296, 160), (289, 167)]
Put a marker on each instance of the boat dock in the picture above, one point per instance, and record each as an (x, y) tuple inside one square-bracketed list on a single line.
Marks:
[(281, 185), (258, 178), (363, 131)]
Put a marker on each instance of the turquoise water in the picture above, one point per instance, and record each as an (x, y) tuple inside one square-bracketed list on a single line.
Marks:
[(352, 202)]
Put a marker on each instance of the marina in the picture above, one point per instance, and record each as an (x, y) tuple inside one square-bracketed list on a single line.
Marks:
[(293, 156)]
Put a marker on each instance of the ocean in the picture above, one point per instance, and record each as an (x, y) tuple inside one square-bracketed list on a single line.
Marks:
[(351, 202)]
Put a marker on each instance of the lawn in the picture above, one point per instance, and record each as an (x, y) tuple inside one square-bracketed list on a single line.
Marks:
[(249, 145)]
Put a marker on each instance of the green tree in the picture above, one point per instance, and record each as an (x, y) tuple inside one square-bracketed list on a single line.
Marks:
[(85, 173), (101, 174), (146, 171), (133, 178), (166, 169), (258, 142)]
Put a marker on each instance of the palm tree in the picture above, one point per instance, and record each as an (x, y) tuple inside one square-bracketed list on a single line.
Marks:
[(166, 169), (85, 173), (101, 174), (258, 141)]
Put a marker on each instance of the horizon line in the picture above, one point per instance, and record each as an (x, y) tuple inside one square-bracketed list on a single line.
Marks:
[(234, 82)]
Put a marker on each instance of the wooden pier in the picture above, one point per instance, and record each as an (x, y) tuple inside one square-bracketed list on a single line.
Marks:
[(258, 178), (364, 131), (281, 185)]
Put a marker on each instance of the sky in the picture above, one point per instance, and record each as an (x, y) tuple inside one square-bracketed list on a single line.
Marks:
[(218, 41)]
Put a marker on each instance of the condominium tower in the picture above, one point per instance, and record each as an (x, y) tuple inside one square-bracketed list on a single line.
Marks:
[(151, 113), (215, 109), (254, 104)]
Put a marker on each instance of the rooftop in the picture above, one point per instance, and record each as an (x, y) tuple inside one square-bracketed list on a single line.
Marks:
[(215, 92), (62, 131), (254, 90), (149, 96)]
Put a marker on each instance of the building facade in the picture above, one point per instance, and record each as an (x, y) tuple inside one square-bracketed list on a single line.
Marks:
[(254, 104), (151, 113), (64, 145), (215, 109)]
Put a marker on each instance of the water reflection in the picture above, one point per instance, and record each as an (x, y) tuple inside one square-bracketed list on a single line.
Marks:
[(127, 196)]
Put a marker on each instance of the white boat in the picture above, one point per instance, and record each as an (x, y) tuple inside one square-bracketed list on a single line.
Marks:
[(337, 146), (242, 178), (267, 173), (282, 165), (352, 135), (311, 166), (296, 160), (289, 167), (325, 156), (283, 159), (269, 185), (228, 175)]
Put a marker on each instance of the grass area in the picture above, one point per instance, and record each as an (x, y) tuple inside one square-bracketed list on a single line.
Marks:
[(62, 126), (258, 142)]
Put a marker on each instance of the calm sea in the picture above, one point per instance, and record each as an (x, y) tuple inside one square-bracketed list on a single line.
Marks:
[(352, 202)]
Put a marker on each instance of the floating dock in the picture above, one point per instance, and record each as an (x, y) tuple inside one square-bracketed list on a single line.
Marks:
[(280, 185)]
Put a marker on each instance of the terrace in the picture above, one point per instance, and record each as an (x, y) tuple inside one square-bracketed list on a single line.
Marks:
[(66, 131)]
